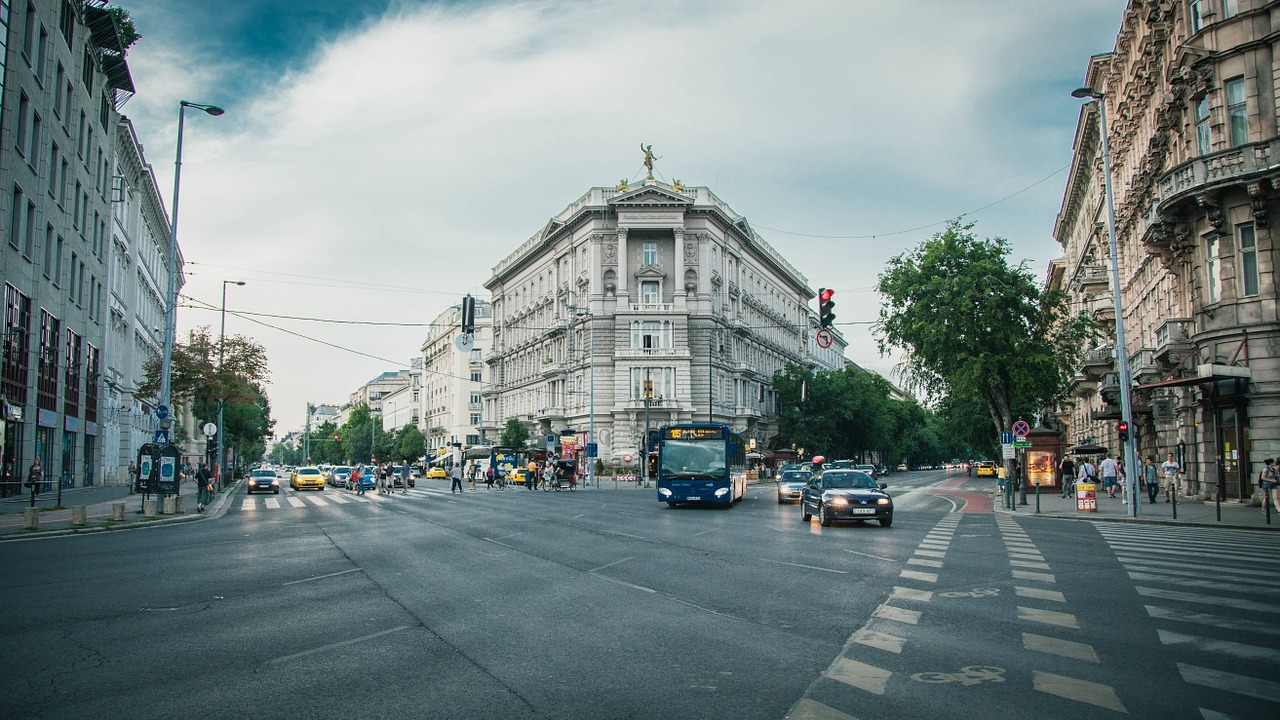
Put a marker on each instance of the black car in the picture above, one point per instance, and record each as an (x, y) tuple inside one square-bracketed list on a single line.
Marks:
[(846, 495)]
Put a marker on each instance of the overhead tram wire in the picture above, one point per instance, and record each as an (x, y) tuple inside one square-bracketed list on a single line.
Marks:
[(917, 228)]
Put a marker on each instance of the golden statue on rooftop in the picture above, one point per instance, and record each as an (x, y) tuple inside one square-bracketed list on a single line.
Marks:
[(649, 157)]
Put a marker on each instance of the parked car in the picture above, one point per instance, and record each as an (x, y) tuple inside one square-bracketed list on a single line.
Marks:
[(868, 469), (846, 495), (340, 476), (263, 480)]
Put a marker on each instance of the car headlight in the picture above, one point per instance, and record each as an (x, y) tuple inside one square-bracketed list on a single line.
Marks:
[(722, 492), (884, 501), (664, 492), (839, 501)]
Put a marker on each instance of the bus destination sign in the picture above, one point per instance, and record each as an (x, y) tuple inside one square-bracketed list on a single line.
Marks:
[(694, 433)]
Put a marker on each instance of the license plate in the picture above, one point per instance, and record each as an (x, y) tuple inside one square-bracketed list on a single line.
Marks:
[(863, 511), (694, 497)]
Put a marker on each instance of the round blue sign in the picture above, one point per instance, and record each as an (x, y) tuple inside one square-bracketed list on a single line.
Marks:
[(162, 412)]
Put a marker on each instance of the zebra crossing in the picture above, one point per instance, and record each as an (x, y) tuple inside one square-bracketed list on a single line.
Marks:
[(296, 500), (1212, 594)]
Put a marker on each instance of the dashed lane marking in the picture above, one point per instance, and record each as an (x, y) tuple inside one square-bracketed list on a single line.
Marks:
[(860, 675), (1029, 564), (879, 640), (1222, 647), (318, 502), (246, 504), (1039, 577), (912, 594), (806, 567), (897, 614), (296, 502), (1060, 647), (1079, 690), (931, 553), (925, 563), (272, 503), (808, 709), (1039, 594), (921, 576), (1231, 682), (1048, 617)]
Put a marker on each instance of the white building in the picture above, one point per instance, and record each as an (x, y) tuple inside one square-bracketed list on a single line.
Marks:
[(453, 379), (656, 289)]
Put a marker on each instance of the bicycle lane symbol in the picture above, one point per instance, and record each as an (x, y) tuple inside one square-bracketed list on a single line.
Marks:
[(967, 676)]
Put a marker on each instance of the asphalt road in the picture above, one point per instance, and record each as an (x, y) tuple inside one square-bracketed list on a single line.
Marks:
[(607, 604)]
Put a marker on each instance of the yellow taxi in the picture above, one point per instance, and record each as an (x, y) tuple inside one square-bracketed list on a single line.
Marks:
[(437, 473), (986, 468), (518, 476), (307, 477)]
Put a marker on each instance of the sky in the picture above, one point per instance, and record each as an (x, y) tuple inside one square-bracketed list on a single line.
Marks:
[(378, 158)]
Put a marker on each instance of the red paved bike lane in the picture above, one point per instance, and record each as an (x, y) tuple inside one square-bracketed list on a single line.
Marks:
[(974, 502)]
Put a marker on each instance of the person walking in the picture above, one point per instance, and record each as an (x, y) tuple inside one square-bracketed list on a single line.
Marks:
[(488, 478), (1169, 469), (35, 477), (358, 479), (204, 487), (1068, 469), (456, 474), (531, 476), (1269, 482), (404, 478), (1087, 474), (1151, 477), (1110, 475)]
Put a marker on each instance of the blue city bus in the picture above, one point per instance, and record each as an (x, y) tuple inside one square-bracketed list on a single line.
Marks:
[(701, 463)]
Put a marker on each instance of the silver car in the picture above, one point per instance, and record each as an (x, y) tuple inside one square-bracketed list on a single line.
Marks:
[(791, 484)]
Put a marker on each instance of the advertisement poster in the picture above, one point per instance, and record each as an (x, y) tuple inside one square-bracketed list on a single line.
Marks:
[(1040, 468), (168, 474)]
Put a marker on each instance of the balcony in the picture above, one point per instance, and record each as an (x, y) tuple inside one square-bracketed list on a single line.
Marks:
[(1109, 388), (552, 368), (1097, 361), (1143, 367), (1104, 311), (1173, 341), (648, 308), (1233, 166), (1093, 278), (1083, 385), (645, 352)]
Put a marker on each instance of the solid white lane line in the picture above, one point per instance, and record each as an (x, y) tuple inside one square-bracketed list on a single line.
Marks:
[(321, 577), (877, 557), (352, 641), (1217, 600), (1220, 647), (609, 565), (807, 567), (1231, 682), (1218, 621)]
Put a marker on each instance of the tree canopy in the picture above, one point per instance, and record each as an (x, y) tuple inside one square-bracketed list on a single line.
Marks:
[(972, 326)]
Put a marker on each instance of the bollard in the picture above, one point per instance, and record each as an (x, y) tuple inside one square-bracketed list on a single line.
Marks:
[(180, 504), (149, 508), (170, 504), (78, 515), (30, 518), (117, 511)]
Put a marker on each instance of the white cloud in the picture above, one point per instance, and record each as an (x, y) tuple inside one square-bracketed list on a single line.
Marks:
[(419, 149)]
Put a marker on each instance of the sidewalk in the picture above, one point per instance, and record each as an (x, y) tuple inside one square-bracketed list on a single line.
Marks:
[(1190, 511), (97, 501)]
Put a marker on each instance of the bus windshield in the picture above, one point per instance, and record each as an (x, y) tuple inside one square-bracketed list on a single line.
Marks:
[(693, 459)]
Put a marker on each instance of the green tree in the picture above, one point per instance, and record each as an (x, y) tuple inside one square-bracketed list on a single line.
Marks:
[(515, 434), (411, 444), (968, 323)]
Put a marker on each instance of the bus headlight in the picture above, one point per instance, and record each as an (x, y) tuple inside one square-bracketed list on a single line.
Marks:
[(664, 492), (722, 492)]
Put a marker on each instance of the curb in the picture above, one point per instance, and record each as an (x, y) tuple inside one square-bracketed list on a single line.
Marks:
[(1141, 521), (221, 505)]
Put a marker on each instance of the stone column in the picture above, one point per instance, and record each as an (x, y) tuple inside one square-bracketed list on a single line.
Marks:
[(677, 275), (624, 281)]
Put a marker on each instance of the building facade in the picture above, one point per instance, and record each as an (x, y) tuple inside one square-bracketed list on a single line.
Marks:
[(453, 379), (641, 306), (65, 78), (1191, 100)]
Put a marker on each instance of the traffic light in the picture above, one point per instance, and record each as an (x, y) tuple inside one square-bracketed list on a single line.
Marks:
[(826, 307), (336, 438), (1123, 429), (468, 314)]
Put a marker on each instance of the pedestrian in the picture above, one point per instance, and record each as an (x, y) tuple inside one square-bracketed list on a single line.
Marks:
[(1269, 481), (404, 478), (358, 479), (1169, 469), (471, 472), (1087, 473), (1110, 475), (1001, 477), (35, 476), (488, 478), (204, 487), (1068, 469), (1151, 477), (531, 476), (456, 474)]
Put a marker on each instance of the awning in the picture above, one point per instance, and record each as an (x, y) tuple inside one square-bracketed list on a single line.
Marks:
[(1087, 450), (1204, 374)]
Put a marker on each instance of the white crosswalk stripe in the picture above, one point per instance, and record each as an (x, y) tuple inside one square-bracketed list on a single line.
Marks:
[(1213, 593)]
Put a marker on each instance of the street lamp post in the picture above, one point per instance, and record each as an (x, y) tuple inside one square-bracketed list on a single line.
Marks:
[(222, 400), (171, 309), (1122, 353)]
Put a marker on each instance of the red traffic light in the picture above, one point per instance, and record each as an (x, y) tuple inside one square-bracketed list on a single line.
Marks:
[(336, 438), (825, 294), (826, 306), (1122, 428)]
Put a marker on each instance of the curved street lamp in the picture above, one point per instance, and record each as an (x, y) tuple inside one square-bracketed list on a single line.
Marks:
[(1122, 353), (171, 309)]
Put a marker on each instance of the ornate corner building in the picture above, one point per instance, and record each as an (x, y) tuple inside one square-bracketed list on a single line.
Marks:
[(1191, 101), (640, 306)]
